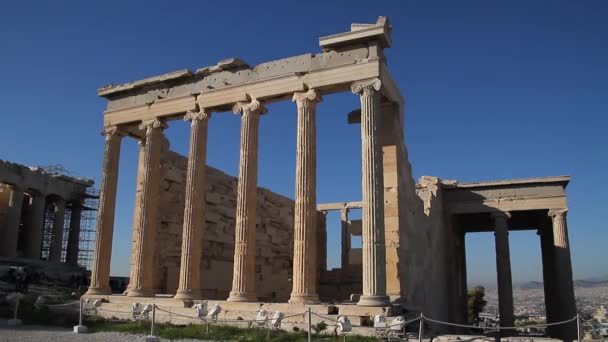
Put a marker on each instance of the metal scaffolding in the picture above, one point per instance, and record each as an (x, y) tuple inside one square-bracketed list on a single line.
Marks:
[(88, 223)]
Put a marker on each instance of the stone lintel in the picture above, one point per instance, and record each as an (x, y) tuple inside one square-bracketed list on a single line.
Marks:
[(562, 180), (360, 33), (339, 206), (110, 89), (354, 117)]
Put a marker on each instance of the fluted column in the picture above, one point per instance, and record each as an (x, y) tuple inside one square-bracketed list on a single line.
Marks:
[(243, 278), (503, 270), (57, 236), (194, 209), (566, 305), (71, 255), (305, 223), (34, 226), (102, 253), (374, 249), (146, 224), (546, 246), (11, 231)]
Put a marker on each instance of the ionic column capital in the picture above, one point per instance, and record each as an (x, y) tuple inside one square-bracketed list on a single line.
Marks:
[(113, 130), (311, 96), (558, 213), (254, 107), (202, 114), (366, 87), (152, 123)]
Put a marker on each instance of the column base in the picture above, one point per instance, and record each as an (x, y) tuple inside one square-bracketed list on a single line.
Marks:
[(371, 300), (188, 294), (98, 291), (242, 297), (304, 298), (140, 292)]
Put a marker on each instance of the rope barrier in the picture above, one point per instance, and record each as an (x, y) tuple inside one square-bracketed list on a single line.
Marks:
[(115, 311), (203, 319), (500, 328), (58, 305)]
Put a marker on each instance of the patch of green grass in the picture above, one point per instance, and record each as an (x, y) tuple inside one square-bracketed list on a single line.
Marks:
[(217, 332)]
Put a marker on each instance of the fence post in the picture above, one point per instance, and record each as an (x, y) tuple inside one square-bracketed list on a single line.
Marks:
[(421, 328), (15, 320), (267, 328), (80, 328), (152, 337), (578, 327), (309, 325)]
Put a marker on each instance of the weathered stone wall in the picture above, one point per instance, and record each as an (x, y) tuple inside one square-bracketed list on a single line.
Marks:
[(274, 234), (5, 195)]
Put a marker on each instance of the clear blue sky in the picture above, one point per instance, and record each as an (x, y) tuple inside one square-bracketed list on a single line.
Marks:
[(494, 90)]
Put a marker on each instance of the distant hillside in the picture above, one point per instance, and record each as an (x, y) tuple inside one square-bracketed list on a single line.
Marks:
[(531, 285), (586, 283)]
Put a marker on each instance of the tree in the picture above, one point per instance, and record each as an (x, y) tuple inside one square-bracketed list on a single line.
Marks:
[(476, 302)]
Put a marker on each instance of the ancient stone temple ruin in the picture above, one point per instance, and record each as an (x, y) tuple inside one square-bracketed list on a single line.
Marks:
[(201, 234), (42, 215)]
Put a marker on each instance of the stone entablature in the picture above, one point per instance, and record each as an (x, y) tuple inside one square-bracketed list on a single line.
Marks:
[(36, 179), (506, 195), (219, 87)]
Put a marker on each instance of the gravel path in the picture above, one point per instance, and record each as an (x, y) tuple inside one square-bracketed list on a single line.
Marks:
[(32, 333)]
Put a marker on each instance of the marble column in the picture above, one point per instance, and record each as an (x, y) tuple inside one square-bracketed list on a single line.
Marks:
[(243, 278), (57, 236), (13, 220), (345, 233), (34, 226), (71, 255), (503, 270), (564, 285), (373, 249), (305, 266), (143, 268), (194, 209), (546, 246), (102, 253)]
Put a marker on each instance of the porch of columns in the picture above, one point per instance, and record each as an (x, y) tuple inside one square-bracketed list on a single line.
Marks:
[(373, 246), (304, 289), (142, 278), (34, 226), (11, 231), (194, 209), (503, 270), (565, 308), (102, 253), (71, 255), (57, 231), (243, 278)]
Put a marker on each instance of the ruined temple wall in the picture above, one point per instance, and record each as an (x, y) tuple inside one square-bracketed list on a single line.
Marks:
[(415, 231), (274, 234)]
